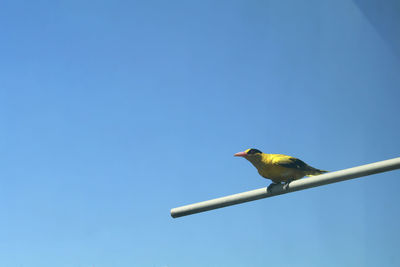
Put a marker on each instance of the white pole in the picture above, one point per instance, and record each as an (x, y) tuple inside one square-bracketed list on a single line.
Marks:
[(323, 179)]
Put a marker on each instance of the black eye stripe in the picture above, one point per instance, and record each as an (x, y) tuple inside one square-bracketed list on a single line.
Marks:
[(253, 151)]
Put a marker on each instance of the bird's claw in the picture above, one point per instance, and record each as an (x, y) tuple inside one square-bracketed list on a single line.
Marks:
[(271, 185), (286, 185)]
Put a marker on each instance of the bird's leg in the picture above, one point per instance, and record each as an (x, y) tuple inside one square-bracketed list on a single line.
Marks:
[(286, 185), (269, 188)]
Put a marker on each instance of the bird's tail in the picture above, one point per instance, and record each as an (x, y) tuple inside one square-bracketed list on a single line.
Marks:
[(314, 171)]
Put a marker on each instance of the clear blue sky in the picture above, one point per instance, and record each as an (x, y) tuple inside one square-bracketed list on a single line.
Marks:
[(114, 112)]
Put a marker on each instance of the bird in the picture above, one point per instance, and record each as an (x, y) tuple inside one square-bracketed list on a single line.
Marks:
[(277, 167)]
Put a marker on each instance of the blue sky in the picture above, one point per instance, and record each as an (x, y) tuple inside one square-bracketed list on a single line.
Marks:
[(114, 112)]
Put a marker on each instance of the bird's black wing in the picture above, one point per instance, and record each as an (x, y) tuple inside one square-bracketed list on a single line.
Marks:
[(293, 163)]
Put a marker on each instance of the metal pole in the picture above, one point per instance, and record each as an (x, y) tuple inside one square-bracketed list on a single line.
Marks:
[(323, 179)]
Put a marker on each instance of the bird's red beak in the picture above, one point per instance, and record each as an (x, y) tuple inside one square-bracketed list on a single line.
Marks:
[(240, 154)]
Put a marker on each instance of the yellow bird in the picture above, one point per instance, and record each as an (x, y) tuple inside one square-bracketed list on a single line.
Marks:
[(278, 168)]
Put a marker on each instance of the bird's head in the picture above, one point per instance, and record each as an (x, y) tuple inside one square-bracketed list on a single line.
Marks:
[(249, 153)]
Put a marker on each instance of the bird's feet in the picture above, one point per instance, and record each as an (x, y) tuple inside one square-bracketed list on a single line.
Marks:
[(269, 188), (286, 185)]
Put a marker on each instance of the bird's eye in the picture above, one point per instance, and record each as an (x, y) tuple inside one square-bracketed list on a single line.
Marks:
[(253, 151)]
